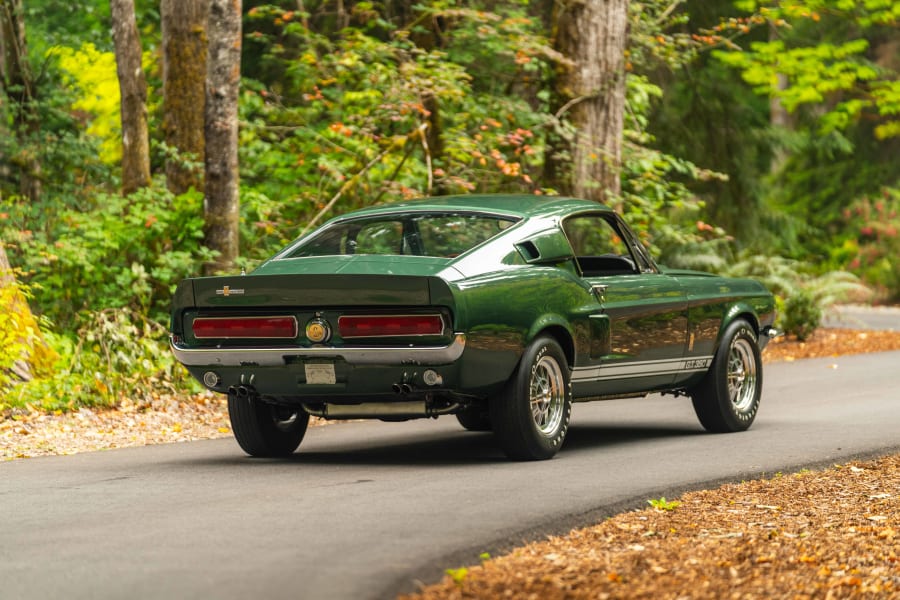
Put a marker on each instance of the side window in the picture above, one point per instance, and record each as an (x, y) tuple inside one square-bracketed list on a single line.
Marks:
[(598, 246), (379, 237)]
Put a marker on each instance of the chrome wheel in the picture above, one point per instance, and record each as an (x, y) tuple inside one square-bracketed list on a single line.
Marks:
[(530, 419), (727, 398), (284, 418), (742, 375), (547, 395)]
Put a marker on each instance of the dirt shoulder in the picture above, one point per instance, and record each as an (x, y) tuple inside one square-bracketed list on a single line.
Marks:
[(828, 534)]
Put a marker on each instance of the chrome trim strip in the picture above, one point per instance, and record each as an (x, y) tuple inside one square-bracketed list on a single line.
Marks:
[(642, 369), (275, 357)]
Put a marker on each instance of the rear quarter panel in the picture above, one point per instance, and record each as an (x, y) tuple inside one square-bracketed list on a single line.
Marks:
[(501, 312), (714, 302)]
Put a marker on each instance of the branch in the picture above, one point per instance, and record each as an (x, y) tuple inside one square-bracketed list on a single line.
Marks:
[(343, 189)]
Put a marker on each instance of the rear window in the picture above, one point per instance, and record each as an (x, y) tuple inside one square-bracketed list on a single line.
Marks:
[(426, 234)]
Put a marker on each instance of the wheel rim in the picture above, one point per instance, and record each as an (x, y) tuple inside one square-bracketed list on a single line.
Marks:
[(547, 395), (742, 375), (284, 418)]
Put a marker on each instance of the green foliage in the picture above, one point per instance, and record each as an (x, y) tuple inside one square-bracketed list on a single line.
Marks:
[(116, 354), (801, 294), (801, 314), (872, 246), (115, 253), (662, 504), (656, 197), (458, 575), (386, 113), (93, 74)]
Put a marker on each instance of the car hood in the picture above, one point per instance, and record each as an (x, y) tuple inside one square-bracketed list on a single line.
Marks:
[(364, 264)]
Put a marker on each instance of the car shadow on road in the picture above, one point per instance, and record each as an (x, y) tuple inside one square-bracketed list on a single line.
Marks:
[(585, 437), (454, 448)]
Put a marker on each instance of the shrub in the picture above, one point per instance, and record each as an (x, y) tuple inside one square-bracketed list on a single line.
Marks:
[(803, 297), (873, 249), (117, 354)]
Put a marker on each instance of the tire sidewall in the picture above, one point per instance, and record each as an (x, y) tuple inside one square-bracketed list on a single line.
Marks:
[(737, 420), (538, 445)]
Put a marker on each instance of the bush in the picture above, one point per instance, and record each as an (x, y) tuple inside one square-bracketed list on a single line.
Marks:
[(801, 314), (121, 253), (802, 296), (117, 354), (873, 249)]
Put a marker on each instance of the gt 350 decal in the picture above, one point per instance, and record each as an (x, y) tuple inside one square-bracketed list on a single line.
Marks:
[(641, 369)]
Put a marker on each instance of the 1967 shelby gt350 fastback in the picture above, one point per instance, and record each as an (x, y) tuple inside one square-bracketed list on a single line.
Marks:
[(502, 310)]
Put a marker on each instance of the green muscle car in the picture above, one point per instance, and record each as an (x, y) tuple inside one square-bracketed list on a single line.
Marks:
[(500, 310)]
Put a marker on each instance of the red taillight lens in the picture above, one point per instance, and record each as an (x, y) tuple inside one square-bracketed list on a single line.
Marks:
[(244, 327), (390, 325)]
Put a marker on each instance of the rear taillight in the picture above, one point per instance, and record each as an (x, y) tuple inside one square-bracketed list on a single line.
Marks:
[(245, 327), (390, 325)]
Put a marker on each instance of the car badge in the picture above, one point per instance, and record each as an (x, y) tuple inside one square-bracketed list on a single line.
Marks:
[(318, 330), (227, 291)]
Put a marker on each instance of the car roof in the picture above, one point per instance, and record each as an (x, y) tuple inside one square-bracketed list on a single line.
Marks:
[(512, 205)]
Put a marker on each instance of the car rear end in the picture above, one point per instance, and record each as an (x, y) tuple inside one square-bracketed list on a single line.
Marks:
[(332, 343)]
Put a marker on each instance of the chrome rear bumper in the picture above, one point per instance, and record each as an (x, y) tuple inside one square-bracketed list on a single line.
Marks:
[(274, 357)]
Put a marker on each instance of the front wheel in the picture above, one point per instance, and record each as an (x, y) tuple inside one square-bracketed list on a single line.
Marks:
[(530, 419), (727, 399), (266, 430)]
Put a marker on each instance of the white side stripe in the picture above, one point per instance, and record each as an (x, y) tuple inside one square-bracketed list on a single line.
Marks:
[(646, 368)]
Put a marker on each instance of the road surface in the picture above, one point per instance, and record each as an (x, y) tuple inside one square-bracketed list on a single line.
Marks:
[(366, 509)]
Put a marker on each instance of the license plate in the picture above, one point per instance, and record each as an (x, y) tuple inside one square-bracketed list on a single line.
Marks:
[(320, 373)]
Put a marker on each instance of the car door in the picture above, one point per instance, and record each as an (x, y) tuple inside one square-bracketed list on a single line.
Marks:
[(638, 318)]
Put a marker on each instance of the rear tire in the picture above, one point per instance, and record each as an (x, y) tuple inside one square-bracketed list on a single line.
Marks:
[(266, 430), (727, 399), (475, 418), (531, 417)]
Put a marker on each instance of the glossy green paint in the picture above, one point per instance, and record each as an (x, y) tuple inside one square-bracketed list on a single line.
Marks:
[(502, 294)]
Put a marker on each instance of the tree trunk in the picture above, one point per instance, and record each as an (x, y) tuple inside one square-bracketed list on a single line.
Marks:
[(184, 24), (593, 33), (222, 175), (133, 104), (18, 84)]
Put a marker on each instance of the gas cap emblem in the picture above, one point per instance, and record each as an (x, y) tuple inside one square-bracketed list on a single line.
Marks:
[(318, 330)]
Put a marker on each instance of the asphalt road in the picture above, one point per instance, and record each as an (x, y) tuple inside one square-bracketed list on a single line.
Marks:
[(365, 509)]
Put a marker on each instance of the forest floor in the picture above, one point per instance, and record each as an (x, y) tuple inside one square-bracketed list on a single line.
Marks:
[(827, 534)]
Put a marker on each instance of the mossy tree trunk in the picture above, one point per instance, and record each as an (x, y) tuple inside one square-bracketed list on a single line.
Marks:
[(222, 177), (184, 40), (591, 93), (18, 85), (133, 89)]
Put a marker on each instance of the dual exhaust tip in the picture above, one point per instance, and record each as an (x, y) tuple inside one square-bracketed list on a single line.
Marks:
[(402, 388)]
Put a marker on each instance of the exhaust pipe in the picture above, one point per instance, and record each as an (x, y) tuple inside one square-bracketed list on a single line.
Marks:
[(374, 410), (398, 389), (241, 391)]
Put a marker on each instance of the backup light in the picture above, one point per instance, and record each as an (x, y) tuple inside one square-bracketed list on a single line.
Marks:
[(390, 325), (226, 328)]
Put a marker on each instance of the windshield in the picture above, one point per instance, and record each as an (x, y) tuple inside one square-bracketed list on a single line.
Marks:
[(420, 234)]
